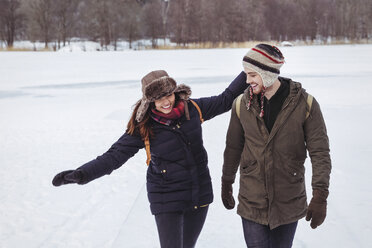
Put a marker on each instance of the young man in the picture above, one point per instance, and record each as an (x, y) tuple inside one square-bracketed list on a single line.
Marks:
[(272, 126)]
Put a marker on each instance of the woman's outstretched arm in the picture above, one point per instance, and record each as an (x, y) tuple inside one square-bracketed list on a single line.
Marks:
[(116, 156), (216, 105)]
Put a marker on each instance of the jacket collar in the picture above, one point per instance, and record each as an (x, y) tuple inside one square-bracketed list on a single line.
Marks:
[(295, 91)]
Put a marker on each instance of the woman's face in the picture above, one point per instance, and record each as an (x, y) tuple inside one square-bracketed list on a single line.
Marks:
[(165, 104)]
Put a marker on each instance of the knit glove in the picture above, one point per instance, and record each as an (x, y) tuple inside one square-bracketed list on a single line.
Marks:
[(227, 194), (317, 210), (69, 176)]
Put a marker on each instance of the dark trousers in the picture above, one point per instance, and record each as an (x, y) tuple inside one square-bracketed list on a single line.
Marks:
[(180, 229), (260, 236)]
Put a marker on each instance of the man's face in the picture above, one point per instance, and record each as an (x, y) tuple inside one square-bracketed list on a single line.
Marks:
[(255, 80)]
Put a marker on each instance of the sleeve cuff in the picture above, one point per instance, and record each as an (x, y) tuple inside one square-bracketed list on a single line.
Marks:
[(228, 179)]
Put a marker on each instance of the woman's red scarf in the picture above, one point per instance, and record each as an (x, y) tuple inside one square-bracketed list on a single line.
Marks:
[(168, 119)]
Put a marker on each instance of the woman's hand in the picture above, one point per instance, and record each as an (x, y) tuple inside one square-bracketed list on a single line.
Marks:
[(69, 176)]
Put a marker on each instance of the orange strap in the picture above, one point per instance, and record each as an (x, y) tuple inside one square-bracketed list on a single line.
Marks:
[(147, 140), (148, 153), (200, 113)]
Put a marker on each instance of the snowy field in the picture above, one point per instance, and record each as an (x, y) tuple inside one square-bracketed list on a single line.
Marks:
[(60, 110)]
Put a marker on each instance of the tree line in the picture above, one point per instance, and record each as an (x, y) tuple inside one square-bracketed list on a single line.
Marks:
[(183, 21)]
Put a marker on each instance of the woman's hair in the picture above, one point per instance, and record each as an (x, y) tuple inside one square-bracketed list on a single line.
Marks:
[(143, 127)]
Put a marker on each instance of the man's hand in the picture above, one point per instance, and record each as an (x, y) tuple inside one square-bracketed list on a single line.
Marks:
[(317, 209), (227, 194)]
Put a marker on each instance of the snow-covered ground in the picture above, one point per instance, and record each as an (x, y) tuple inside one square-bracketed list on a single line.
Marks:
[(60, 110)]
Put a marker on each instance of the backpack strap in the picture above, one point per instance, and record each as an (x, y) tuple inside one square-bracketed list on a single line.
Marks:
[(147, 140), (198, 108), (309, 101), (148, 153), (237, 105)]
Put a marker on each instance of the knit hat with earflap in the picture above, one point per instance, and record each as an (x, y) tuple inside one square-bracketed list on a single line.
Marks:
[(266, 60), (156, 85)]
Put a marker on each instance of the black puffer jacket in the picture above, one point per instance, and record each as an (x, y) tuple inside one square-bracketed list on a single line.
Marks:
[(178, 176)]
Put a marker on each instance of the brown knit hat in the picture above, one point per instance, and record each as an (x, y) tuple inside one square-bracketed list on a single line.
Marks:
[(156, 85), (266, 60)]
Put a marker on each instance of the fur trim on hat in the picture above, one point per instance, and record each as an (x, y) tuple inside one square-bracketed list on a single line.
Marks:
[(183, 91), (142, 109), (158, 88)]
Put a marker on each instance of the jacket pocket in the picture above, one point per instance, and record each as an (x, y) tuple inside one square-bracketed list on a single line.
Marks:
[(252, 192), (290, 192), (248, 167), (295, 171), (158, 168)]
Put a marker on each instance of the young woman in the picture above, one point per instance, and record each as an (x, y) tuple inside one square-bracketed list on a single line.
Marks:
[(168, 124)]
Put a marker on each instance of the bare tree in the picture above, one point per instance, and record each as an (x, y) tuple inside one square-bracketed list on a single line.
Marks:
[(103, 16), (130, 19), (104, 20), (238, 16), (65, 14), (152, 21), (175, 20), (41, 14), (164, 14), (186, 21), (10, 20)]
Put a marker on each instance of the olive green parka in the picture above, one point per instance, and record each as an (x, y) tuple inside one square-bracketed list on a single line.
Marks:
[(272, 186)]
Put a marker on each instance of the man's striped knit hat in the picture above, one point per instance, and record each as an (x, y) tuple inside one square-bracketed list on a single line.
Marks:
[(266, 60)]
